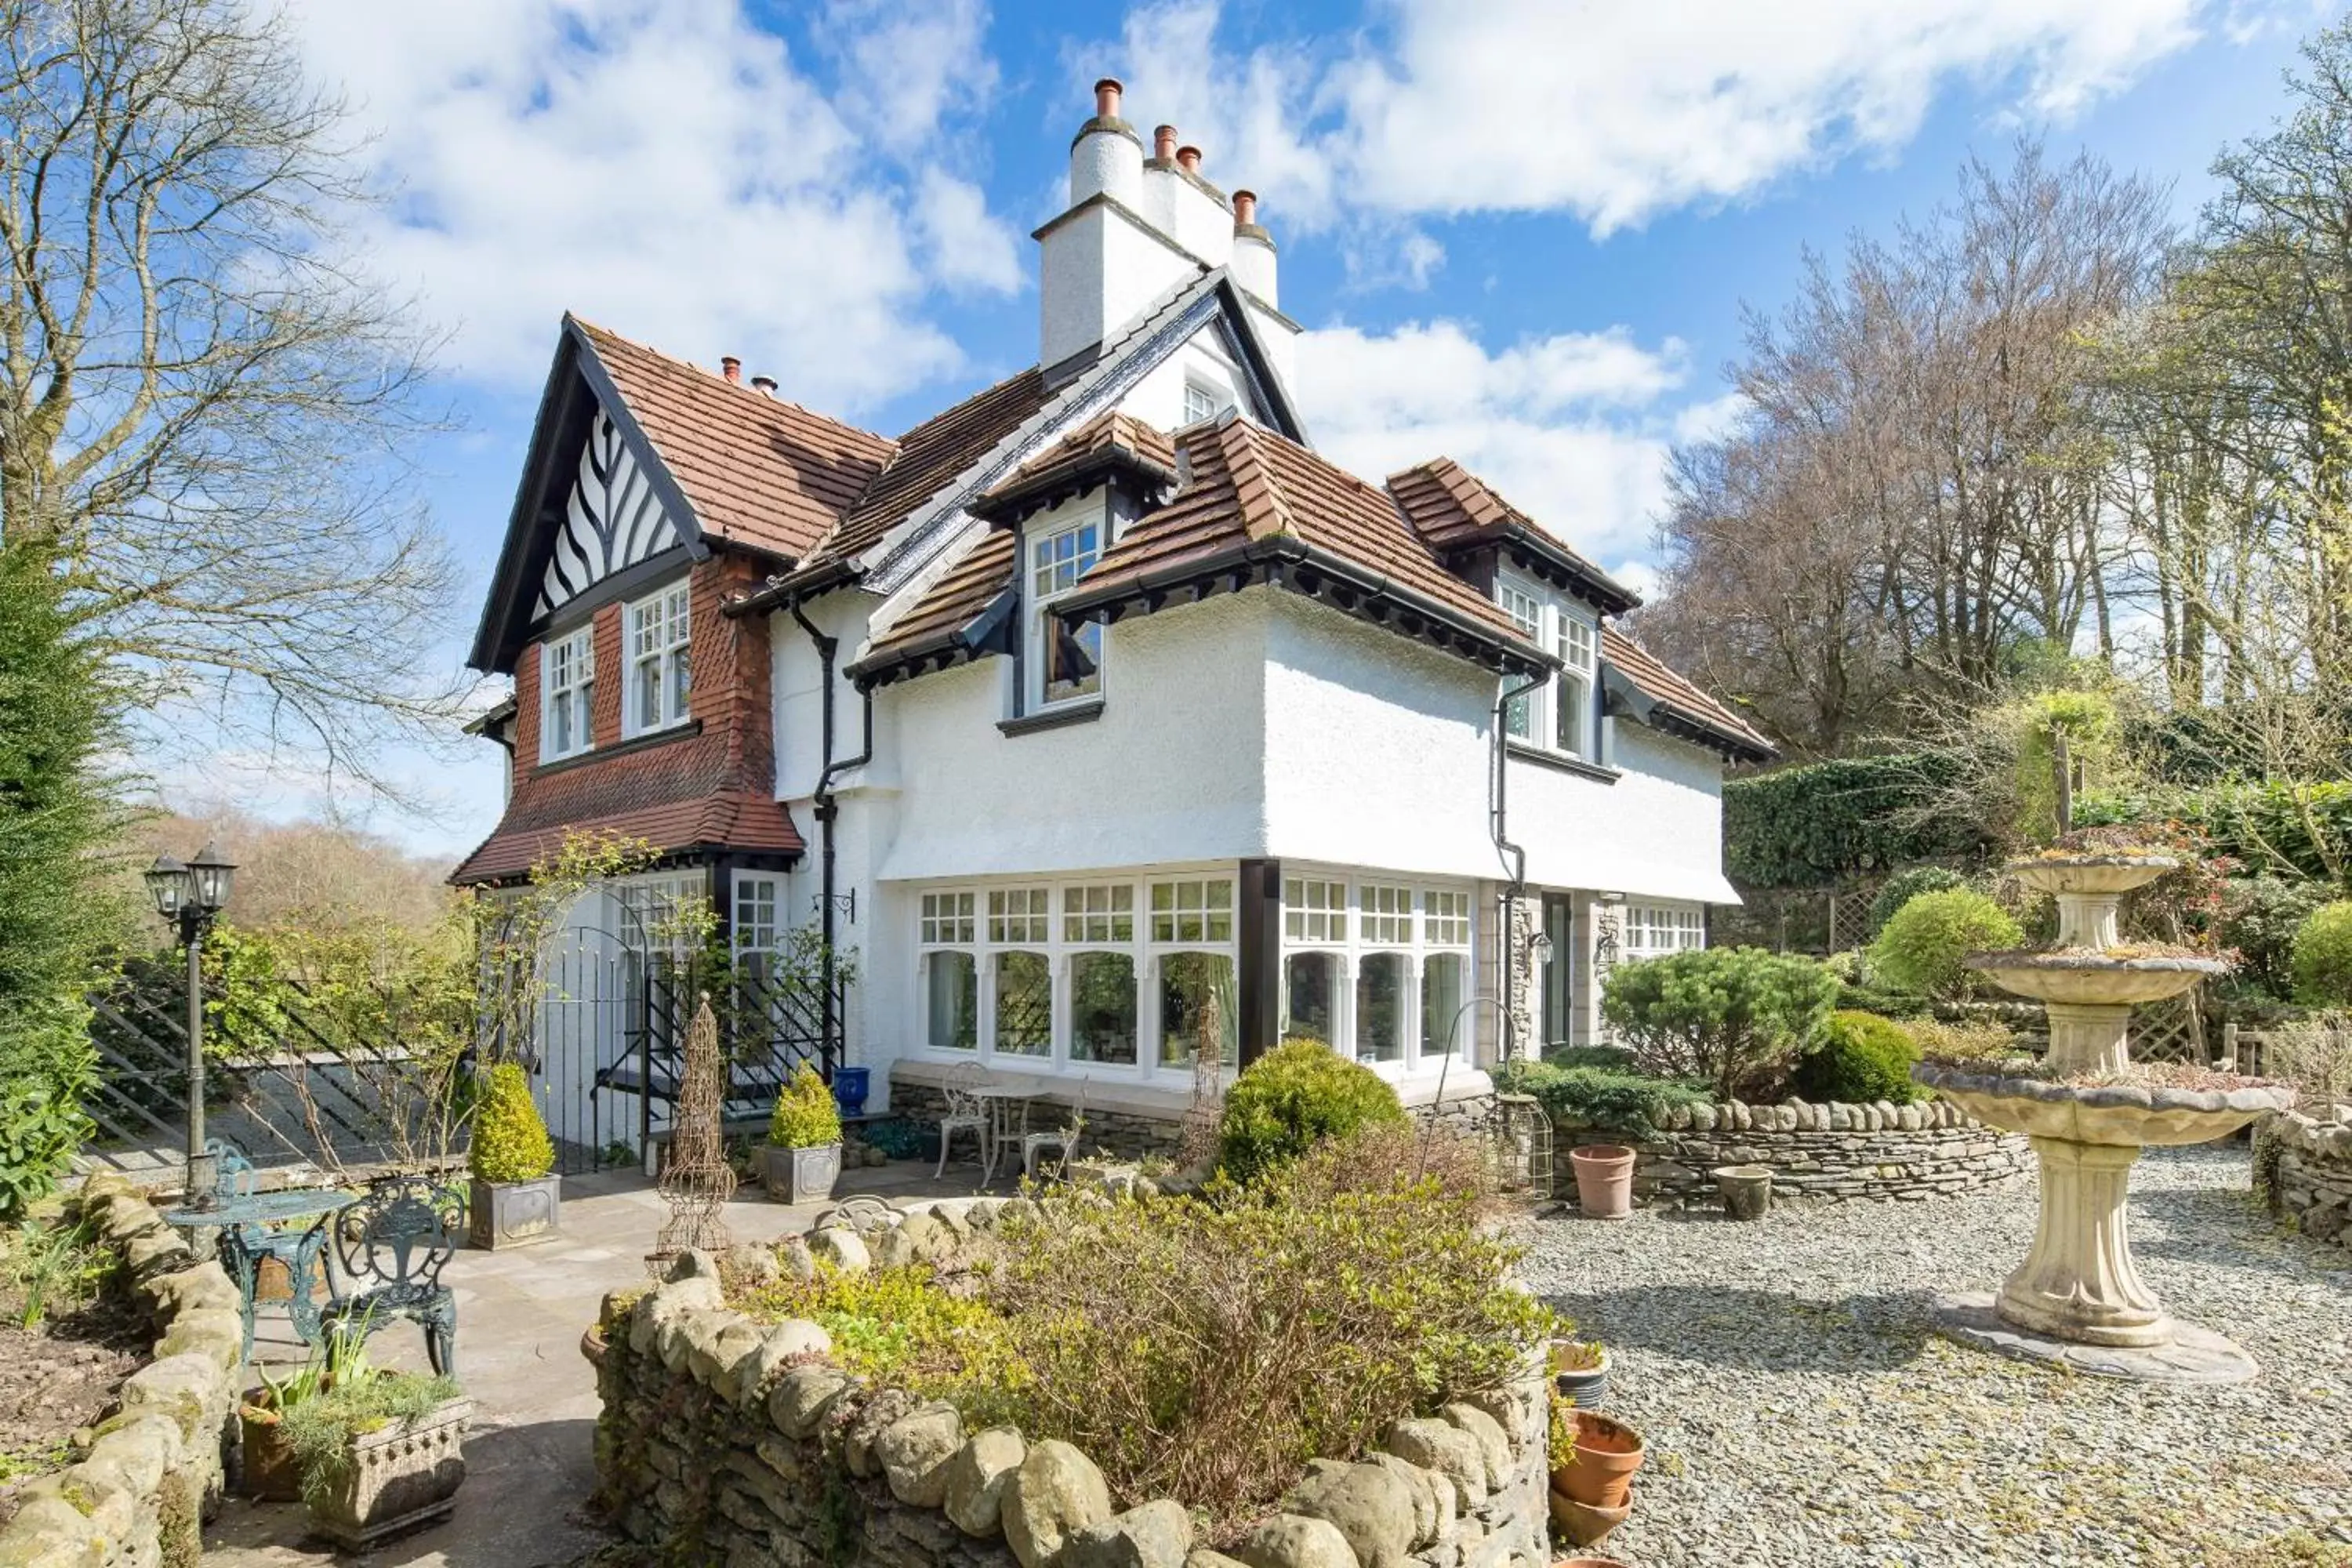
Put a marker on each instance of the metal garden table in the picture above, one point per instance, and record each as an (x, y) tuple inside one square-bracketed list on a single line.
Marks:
[(245, 1221)]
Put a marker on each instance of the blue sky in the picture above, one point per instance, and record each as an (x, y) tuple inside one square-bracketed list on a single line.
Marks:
[(1519, 232)]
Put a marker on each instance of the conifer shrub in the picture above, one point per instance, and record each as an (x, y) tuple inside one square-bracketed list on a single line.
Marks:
[(2323, 957), (806, 1116), (1296, 1095), (1731, 1017), (1923, 946), (1857, 1059), (511, 1142)]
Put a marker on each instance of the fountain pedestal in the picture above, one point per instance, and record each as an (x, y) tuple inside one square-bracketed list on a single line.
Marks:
[(2078, 1298)]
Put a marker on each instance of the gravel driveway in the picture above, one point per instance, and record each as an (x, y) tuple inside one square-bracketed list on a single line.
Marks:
[(1798, 1410)]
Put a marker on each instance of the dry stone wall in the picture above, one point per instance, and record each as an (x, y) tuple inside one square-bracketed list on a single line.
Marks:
[(1818, 1153), (137, 1498), (2308, 1179), (727, 1441)]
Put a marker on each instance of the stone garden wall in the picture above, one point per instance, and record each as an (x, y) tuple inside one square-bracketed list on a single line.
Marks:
[(1818, 1153), (1132, 1136), (2310, 1182), (730, 1443), (137, 1498)]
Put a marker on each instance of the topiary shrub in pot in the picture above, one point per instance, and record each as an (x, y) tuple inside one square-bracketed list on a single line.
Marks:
[(1858, 1059), (804, 1152), (517, 1198), (1293, 1096), (1923, 944)]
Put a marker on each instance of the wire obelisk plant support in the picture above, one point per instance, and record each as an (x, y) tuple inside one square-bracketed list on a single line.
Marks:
[(696, 1180)]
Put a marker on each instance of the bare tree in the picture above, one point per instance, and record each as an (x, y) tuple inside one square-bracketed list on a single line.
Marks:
[(202, 401)]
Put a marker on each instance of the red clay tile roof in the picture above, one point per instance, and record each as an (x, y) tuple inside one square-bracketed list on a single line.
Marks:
[(1249, 484), (1453, 507), (954, 602), (930, 455), (1662, 684), (1109, 439), (742, 821), (759, 470)]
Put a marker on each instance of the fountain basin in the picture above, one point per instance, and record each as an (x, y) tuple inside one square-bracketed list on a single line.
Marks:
[(2121, 1115), (2094, 979), (2095, 874)]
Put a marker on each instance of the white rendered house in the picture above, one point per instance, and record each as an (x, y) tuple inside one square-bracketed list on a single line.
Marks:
[(1100, 694)]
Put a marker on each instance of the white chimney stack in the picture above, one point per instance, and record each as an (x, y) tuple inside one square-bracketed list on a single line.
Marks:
[(1107, 156), (1252, 260)]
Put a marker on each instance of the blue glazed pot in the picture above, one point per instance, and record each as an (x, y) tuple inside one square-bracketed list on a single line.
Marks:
[(850, 1087)]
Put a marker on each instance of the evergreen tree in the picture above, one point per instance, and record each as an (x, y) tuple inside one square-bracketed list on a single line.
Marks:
[(59, 812)]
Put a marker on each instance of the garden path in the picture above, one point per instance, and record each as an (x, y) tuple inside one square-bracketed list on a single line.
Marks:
[(520, 1314), (1798, 1410)]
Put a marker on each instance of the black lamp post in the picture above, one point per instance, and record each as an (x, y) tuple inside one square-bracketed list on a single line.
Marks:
[(191, 895)]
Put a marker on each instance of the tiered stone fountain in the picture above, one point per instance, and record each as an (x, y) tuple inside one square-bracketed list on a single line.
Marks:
[(2078, 1298)]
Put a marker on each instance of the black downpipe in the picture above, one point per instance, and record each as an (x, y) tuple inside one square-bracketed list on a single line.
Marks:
[(827, 808), (1514, 857)]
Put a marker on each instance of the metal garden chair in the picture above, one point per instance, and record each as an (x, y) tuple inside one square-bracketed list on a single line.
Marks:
[(966, 1112), (1065, 1139), (385, 1254)]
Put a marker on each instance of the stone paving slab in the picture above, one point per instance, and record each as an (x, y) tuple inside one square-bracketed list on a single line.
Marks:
[(520, 1314)]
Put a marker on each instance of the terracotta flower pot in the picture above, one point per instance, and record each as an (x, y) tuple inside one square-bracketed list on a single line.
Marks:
[(1583, 1524), (592, 1345), (1604, 1180), (266, 1468), (1608, 1452)]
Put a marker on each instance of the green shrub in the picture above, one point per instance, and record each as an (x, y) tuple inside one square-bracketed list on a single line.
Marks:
[(806, 1116), (2323, 957), (1733, 1018), (1816, 825), (1291, 1098), (2260, 916), (1906, 885), (1968, 1041), (1859, 1059), (318, 1429), (1922, 947), (1900, 1004), (1612, 1097), (1206, 1350), (511, 1142)]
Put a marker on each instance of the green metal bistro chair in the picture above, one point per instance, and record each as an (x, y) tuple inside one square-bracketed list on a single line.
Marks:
[(385, 1254)]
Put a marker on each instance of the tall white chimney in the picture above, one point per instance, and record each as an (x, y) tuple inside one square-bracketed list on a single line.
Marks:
[(1252, 258), (1107, 259)]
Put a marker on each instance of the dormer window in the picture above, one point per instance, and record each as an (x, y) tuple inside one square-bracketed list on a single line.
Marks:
[(1527, 612), (567, 680), (659, 669), (1065, 662), (1574, 642)]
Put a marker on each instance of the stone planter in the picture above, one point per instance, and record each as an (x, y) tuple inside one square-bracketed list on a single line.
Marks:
[(1746, 1189), (514, 1213), (397, 1479), (802, 1175)]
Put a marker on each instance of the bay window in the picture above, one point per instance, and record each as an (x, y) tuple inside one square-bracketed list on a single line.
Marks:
[(951, 972), (1375, 967), (567, 682), (659, 668)]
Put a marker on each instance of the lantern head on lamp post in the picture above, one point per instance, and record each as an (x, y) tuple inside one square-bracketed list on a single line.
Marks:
[(190, 896)]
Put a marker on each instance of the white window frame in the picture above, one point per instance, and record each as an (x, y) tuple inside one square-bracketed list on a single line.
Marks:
[(756, 925), (567, 685), (1526, 605), (1062, 917), (658, 636), (1653, 931), (1384, 913), (1043, 587), (1201, 402), (1568, 697), (1578, 643)]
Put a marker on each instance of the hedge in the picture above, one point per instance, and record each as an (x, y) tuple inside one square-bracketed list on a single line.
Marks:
[(2259, 825), (1816, 825)]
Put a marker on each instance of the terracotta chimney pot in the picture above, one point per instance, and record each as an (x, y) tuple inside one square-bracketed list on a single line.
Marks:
[(1189, 159), (1244, 207), (730, 367), (1107, 93), (1163, 144)]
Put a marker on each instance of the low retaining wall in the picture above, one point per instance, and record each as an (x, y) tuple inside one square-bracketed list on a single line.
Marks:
[(138, 1497), (1133, 1135), (727, 1441), (2309, 1179), (1818, 1153)]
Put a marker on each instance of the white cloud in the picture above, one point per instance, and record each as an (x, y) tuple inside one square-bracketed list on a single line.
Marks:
[(1616, 113), (1573, 428), (670, 171)]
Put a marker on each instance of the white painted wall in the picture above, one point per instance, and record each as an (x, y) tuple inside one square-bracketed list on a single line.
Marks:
[(1656, 832), (1097, 271), (796, 692)]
